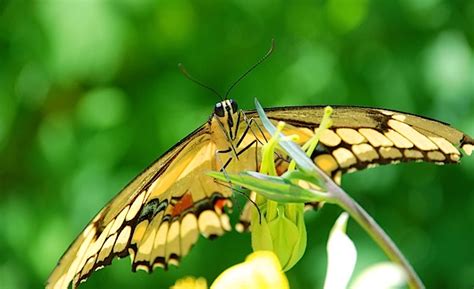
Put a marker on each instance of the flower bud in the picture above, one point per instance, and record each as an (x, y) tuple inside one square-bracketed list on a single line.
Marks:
[(280, 229)]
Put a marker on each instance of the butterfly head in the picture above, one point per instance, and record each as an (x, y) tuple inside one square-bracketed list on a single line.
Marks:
[(225, 107), (227, 113)]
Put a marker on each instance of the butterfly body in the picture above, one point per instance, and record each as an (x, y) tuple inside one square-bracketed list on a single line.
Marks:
[(159, 215)]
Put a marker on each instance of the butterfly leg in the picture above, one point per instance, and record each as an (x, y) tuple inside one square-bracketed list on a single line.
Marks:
[(235, 149), (220, 161), (251, 126), (255, 128)]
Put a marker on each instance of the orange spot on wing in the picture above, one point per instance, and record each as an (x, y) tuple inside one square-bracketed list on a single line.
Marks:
[(220, 204), (281, 168), (182, 205)]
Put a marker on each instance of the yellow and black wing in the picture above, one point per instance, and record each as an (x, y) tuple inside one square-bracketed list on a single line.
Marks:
[(363, 137), (156, 218), (160, 214)]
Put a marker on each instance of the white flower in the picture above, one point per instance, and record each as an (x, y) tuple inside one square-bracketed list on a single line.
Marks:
[(342, 257)]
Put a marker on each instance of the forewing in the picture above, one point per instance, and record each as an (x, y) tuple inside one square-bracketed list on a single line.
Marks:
[(156, 218), (363, 137)]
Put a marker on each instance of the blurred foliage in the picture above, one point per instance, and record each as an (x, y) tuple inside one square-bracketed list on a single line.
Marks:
[(90, 94)]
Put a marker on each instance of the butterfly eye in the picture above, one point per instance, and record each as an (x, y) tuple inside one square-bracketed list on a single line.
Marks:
[(234, 105), (219, 110)]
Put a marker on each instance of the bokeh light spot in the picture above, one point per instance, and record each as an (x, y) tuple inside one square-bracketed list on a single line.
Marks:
[(102, 108), (86, 38), (174, 22), (346, 15), (310, 73), (448, 69), (50, 236)]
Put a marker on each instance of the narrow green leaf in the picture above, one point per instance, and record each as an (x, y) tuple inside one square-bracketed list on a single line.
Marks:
[(293, 150), (297, 175), (274, 188)]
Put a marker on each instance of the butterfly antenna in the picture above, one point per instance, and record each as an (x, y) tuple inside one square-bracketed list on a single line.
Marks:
[(251, 68), (188, 76)]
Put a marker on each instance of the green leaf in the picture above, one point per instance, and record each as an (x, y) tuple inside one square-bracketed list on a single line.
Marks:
[(293, 150), (274, 188), (297, 175)]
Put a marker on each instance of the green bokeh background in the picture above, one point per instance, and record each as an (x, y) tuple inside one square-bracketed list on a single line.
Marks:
[(90, 94)]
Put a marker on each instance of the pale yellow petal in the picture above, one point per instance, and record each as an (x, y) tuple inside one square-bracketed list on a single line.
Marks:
[(260, 270)]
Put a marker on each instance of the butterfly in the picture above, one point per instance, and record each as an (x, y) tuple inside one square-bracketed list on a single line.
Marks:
[(159, 215)]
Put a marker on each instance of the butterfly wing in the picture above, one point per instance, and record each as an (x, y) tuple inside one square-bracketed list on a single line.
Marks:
[(156, 218), (363, 137), (160, 214)]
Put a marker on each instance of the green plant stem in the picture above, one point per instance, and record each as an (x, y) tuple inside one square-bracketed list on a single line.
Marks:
[(341, 198)]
